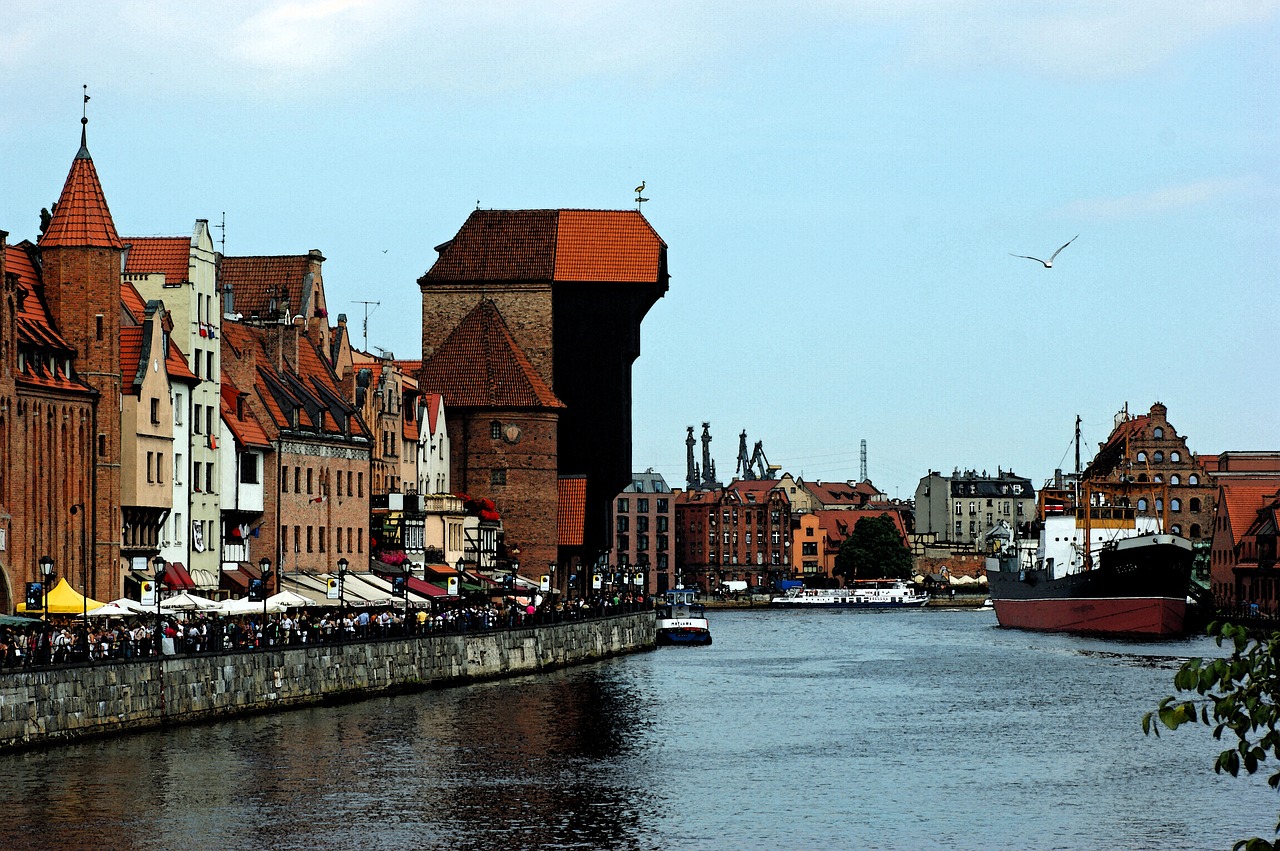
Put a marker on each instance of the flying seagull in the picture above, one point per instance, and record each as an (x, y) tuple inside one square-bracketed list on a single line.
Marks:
[(1048, 264)]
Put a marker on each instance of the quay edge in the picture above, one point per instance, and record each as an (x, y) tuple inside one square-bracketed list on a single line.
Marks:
[(43, 707)]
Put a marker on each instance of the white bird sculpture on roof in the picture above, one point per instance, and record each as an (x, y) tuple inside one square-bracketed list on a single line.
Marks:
[(1048, 264)]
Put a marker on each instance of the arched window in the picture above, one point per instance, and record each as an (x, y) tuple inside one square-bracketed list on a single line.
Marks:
[(1158, 478), (1142, 456), (1175, 479), (1194, 504), (1193, 479), (1159, 457), (1157, 432), (1159, 505), (1175, 505), (1142, 504), (1195, 530), (1175, 456), (1142, 477), (1175, 529)]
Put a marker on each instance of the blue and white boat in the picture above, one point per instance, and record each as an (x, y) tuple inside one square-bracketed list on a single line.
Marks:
[(864, 594), (681, 620)]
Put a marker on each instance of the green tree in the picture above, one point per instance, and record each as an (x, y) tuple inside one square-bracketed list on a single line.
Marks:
[(1236, 695), (874, 550)]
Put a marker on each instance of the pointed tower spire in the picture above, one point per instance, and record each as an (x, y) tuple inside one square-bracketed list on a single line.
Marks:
[(81, 218)]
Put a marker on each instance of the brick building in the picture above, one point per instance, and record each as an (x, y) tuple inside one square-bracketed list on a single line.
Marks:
[(316, 482), (1243, 552), (741, 533), (61, 395), (1147, 463), (503, 423), (571, 287)]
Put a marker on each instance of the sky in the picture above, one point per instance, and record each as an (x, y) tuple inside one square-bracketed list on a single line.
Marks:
[(840, 184)]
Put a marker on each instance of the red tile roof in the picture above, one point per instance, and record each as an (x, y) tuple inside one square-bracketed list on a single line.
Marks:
[(308, 387), (134, 304), (169, 255), (434, 404), (839, 523), (247, 430), (758, 488), (130, 354), (176, 363), (81, 218), (34, 325), (607, 245), (552, 245), (255, 280), (572, 512), (480, 365), (1241, 499)]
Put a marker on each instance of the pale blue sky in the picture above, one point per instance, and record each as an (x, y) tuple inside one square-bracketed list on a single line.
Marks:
[(840, 185)]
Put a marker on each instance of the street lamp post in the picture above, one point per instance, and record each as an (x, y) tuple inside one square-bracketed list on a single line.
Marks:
[(46, 571), (343, 564), (265, 565), (158, 564)]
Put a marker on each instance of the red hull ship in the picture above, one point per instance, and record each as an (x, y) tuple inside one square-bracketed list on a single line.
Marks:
[(1138, 587)]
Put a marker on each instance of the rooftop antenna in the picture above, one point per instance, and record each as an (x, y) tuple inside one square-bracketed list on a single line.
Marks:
[(366, 304), (222, 226)]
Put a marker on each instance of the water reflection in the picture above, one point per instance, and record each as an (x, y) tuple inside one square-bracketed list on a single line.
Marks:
[(535, 762)]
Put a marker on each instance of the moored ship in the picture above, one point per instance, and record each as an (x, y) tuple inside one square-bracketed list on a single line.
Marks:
[(1101, 562), (681, 620), (864, 594), (1129, 580)]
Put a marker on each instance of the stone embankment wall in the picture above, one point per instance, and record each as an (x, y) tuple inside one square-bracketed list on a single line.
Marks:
[(46, 706)]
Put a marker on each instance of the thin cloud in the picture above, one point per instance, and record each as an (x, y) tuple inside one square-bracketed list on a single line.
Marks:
[(1088, 39), (1157, 201)]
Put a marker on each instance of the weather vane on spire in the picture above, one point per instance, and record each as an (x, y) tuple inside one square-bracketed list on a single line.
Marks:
[(84, 110), (639, 198)]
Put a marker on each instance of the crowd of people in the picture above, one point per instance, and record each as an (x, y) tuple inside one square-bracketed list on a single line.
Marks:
[(68, 641)]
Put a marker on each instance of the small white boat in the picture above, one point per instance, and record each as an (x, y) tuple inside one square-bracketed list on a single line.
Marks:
[(681, 620), (864, 594)]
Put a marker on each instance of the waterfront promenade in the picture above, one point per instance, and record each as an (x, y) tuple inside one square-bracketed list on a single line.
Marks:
[(45, 704)]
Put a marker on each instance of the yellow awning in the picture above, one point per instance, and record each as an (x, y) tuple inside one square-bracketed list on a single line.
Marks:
[(63, 600)]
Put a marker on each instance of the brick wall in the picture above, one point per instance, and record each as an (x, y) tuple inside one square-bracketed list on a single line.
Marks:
[(526, 307), (528, 501)]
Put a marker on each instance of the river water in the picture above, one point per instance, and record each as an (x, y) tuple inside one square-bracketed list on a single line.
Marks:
[(796, 730)]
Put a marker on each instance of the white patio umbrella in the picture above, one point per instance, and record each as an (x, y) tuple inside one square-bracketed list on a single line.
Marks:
[(245, 606), (118, 609), (186, 602), (290, 599)]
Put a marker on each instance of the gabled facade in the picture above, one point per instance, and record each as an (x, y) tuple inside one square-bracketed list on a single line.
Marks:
[(245, 452), (1146, 462), (434, 450), (182, 272), (147, 448)]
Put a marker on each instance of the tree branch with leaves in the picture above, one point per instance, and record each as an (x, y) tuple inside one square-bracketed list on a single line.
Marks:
[(1236, 696)]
